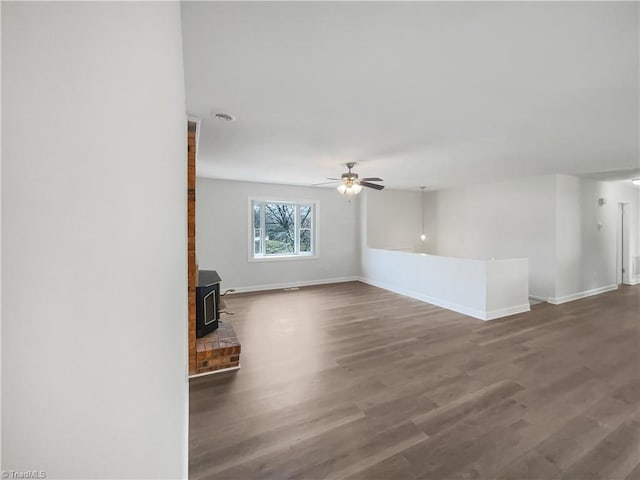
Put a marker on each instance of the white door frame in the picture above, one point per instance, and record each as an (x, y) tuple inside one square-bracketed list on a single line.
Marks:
[(623, 242)]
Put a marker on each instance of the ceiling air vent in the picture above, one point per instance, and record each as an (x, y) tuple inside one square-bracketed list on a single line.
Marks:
[(225, 117)]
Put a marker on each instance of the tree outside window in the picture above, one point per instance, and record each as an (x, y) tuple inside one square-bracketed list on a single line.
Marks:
[(282, 229)]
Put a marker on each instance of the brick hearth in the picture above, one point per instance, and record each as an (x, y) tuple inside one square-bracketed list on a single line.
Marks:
[(220, 349)]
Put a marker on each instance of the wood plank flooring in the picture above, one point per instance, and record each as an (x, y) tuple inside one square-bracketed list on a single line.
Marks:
[(348, 381)]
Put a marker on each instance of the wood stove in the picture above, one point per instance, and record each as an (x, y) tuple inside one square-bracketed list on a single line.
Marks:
[(207, 302)]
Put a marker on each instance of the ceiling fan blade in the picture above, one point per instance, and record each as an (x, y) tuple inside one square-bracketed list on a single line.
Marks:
[(324, 183), (372, 179), (372, 185), (333, 178)]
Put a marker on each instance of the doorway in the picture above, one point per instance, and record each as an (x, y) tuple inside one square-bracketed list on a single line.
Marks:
[(622, 257)]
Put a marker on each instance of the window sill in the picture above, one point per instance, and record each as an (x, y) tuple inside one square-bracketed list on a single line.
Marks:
[(276, 258)]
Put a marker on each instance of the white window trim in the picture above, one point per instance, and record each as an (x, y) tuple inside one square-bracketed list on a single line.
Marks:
[(279, 258)]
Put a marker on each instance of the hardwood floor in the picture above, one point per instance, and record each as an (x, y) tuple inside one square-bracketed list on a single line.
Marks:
[(350, 381)]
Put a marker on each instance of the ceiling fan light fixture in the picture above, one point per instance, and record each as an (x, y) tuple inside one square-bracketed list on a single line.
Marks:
[(352, 189), (636, 181), (351, 183)]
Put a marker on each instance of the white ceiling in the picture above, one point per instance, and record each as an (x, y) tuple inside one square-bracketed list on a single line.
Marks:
[(437, 94)]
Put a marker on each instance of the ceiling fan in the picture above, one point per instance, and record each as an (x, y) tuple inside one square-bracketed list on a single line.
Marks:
[(351, 183)]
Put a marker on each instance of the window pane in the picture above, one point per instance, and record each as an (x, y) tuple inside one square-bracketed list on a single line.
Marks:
[(305, 240), (305, 216), (256, 215), (256, 228), (256, 240), (280, 228)]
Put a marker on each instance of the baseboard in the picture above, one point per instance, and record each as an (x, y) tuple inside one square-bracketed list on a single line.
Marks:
[(428, 299), (505, 312), (579, 295), (222, 370), (305, 283), (538, 298), (634, 281)]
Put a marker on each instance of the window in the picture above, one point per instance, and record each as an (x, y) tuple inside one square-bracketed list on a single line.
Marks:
[(282, 229)]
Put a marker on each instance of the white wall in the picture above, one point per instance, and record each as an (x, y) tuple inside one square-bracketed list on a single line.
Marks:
[(552, 220), (94, 377), (482, 289), (513, 219), (0, 246), (222, 235), (479, 288), (507, 287), (454, 283), (586, 254), (394, 220)]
